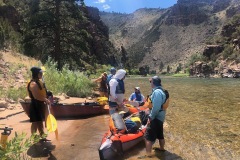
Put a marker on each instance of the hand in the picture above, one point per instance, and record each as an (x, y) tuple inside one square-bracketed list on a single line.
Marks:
[(47, 101), (149, 121)]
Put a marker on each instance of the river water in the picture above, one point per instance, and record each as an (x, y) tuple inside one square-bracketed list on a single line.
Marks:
[(202, 122)]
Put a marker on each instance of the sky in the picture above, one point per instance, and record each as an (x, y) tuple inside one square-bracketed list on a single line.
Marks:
[(128, 6)]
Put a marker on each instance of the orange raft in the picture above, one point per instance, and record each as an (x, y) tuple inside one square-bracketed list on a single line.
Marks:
[(133, 109), (113, 145)]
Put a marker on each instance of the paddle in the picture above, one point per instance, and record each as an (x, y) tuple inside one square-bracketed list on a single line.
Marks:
[(51, 121)]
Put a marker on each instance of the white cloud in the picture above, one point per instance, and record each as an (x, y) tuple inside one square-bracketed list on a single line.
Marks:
[(100, 1), (106, 6)]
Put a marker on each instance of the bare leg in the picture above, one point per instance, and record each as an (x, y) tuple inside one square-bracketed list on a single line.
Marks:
[(161, 144), (148, 147), (34, 127), (40, 128)]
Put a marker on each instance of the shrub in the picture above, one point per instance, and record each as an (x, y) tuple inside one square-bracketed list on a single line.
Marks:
[(73, 83), (15, 93), (16, 148)]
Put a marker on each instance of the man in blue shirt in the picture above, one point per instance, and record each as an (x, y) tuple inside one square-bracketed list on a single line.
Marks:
[(156, 117), (137, 96)]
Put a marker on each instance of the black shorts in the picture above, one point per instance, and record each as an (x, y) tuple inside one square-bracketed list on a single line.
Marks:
[(154, 131), (37, 111)]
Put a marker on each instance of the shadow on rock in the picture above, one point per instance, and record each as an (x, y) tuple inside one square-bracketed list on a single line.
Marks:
[(42, 149)]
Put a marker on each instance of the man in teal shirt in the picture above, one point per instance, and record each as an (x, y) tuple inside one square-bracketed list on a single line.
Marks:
[(156, 117)]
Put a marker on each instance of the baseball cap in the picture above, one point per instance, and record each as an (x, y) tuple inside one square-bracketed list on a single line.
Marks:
[(156, 80)]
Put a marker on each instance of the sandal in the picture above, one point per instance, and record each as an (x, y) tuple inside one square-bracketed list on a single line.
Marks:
[(144, 157), (44, 140), (158, 149)]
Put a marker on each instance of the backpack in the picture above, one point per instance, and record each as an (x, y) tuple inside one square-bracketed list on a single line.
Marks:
[(131, 126), (164, 105), (144, 117)]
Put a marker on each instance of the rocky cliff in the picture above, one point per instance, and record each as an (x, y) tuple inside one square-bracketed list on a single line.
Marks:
[(162, 38)]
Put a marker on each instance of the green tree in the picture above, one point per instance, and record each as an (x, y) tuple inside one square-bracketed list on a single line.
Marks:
[(53, 29)]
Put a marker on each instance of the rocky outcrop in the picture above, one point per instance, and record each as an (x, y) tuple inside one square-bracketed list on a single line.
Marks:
[(200, 69), (236, 44), (212, 49), (186, 14), (100, 47)]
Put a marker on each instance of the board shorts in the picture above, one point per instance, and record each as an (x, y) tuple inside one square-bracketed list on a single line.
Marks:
[(37, 111), (112, 107), (154, 130)]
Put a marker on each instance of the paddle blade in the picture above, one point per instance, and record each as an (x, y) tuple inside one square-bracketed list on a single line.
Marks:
[(51, 123)]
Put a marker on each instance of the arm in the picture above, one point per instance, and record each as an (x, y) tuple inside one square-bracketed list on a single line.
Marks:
[(35, 90), (142, 98), (98, 79), (113, 84), (131, 97)]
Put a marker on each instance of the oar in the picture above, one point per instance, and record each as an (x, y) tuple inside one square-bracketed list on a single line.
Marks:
[(51, 122)]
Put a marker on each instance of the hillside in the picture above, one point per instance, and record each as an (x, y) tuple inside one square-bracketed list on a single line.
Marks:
[(14, 69), (162, 38), (73, 35)]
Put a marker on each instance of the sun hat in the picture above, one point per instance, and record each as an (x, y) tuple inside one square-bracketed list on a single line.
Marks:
[(137, 88), (122, 112)]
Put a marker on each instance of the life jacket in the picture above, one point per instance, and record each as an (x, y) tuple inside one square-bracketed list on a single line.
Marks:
[(165, 105), (120, 89), (42, 89), (116, 124)]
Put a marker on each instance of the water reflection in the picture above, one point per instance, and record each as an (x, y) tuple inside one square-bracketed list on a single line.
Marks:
[(203, 117), (202, 122)]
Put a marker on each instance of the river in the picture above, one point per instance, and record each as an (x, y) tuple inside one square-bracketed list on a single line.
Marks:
[(202, 122)]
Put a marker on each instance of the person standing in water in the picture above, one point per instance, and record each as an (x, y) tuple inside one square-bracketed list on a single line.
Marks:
[(156, 117), (38, 94)]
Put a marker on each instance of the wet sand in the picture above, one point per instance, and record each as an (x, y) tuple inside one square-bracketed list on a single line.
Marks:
[(78, 139)]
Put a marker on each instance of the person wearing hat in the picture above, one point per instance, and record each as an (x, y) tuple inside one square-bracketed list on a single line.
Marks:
[(137, 97), (37, 92), (156, 117), (117, 91), (109, 77), (103, 89)]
